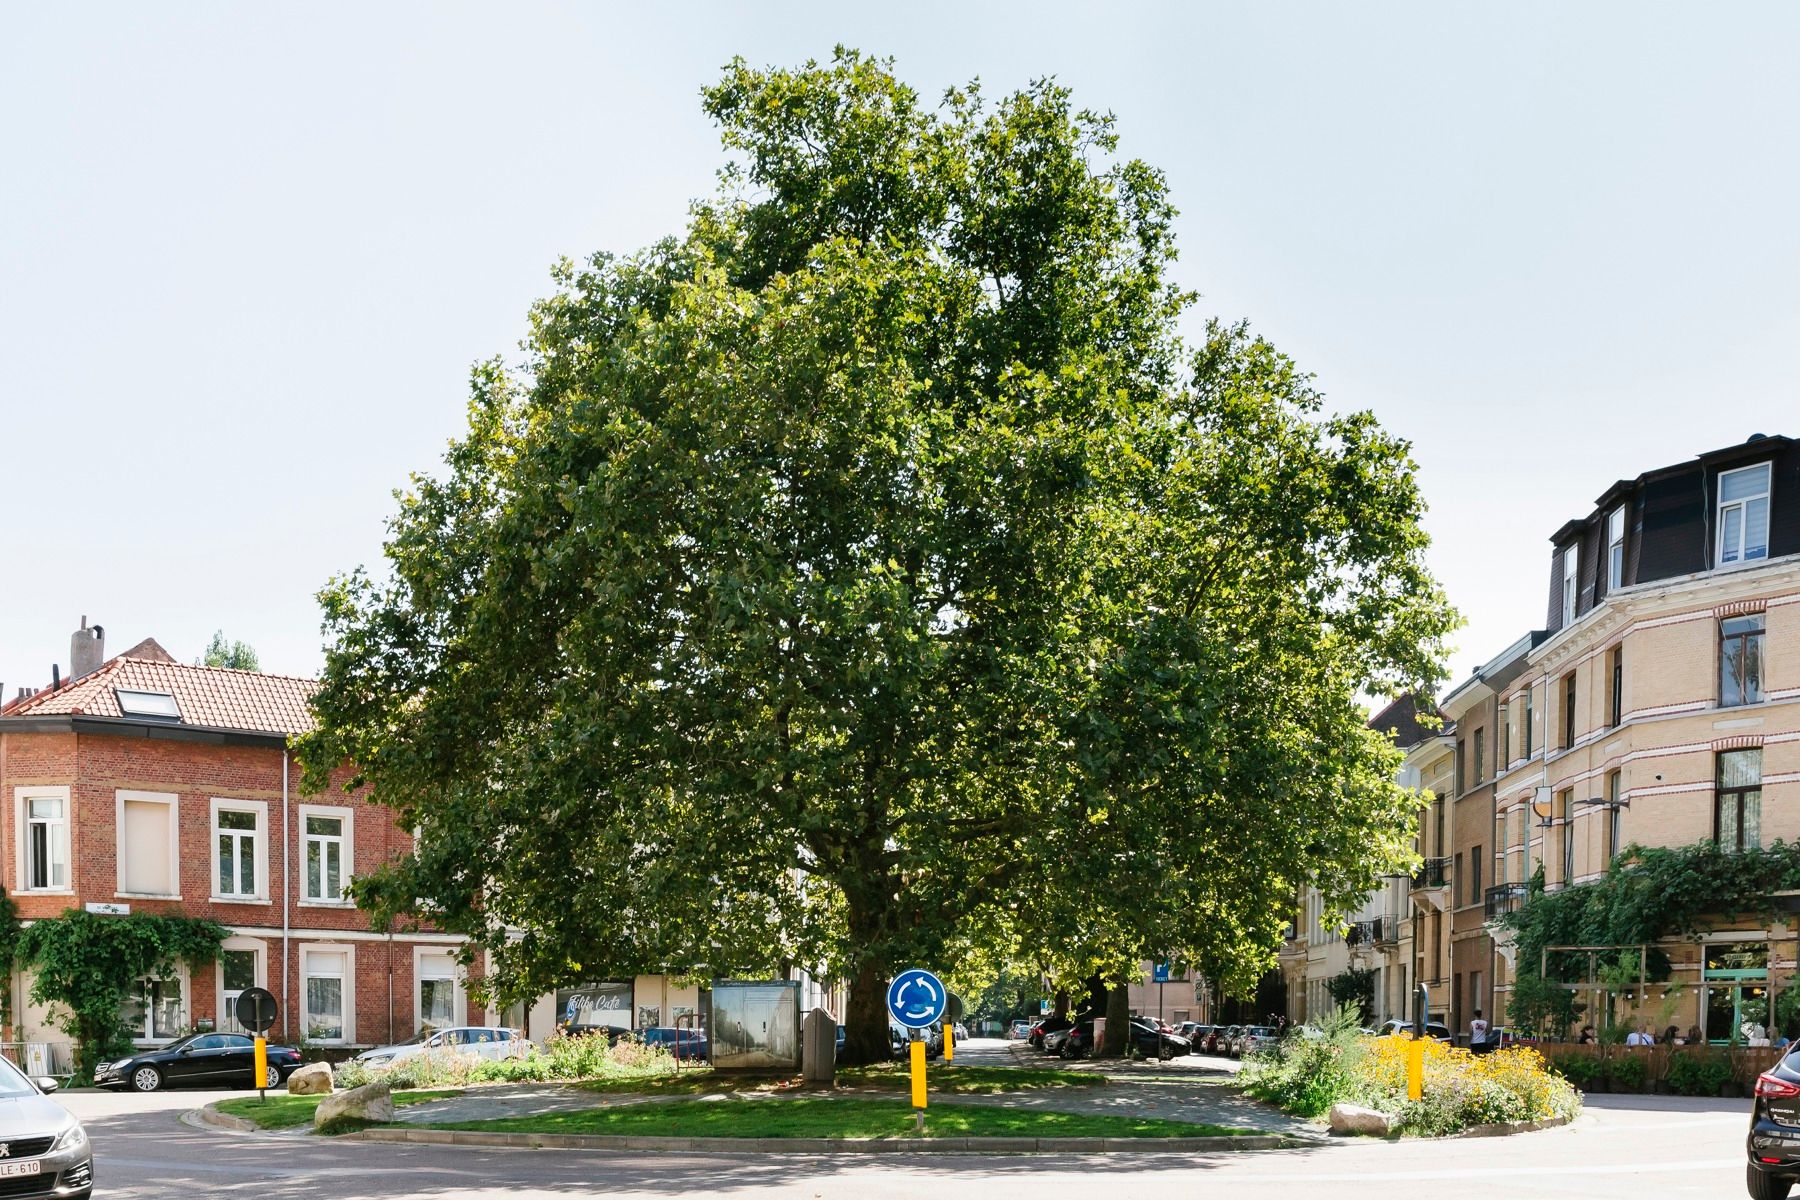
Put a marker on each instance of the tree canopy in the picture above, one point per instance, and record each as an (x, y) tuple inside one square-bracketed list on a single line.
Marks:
[(238, 655), (872, 576)]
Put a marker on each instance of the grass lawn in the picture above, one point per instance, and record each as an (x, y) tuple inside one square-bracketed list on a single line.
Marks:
[(283, 1111), (818, 1117), (943, 1079)]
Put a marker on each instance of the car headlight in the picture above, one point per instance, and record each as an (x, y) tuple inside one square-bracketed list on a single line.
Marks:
[(72, 1138)]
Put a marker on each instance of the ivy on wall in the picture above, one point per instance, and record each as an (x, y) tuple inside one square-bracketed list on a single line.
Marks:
[(88, 966), (9, 955), (1646, 895)]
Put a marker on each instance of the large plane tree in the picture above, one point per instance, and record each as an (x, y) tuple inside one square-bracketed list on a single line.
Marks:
[(871, 576)]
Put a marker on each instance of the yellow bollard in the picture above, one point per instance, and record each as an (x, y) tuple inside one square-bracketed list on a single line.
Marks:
[(918, 1073), (262, 1062), (1415, 1069), (949, 1041)]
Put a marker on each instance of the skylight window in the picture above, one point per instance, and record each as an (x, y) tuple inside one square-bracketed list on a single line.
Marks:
[(156, 705)]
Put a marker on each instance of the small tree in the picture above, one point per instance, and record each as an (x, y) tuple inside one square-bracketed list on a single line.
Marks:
[(1355, 986), (240, 656)]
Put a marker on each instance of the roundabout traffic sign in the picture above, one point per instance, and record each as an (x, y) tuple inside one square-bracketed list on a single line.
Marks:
[(916, 998)]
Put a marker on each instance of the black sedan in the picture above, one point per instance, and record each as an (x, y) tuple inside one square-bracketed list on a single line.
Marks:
[(1774, 1141), (1149, 1040), (209, 1059)]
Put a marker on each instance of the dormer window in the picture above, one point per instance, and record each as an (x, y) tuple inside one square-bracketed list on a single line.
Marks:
[(1615, 549), (1571, 559), (1743, 514), (158, 706)]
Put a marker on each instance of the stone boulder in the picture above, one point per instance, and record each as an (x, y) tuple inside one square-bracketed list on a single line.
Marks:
[(1354, 1118), (314, 1079), (370, 1102)]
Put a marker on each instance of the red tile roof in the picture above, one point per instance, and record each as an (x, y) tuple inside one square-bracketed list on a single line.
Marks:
[(213, 696)]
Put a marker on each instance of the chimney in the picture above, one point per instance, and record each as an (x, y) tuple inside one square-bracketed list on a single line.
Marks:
[(87, 650)]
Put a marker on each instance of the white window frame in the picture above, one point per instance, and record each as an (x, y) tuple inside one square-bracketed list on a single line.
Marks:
[(1742, 504), (173, 802), (1615, 549), (459, 1004), (346, 858), (226, 1021), (347, 993), (1571, 582), (179, 976), (259, 856), (22, 798)]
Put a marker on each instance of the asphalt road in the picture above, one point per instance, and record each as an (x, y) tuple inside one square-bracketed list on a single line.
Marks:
[(1625, 1146)]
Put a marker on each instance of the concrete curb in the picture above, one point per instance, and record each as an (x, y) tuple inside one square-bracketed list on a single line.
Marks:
[(218, 1120), (1508, 1128), (945, 1145)]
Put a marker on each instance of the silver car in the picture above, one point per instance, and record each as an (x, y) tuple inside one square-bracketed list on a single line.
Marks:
[(43, 1150), (478, 1041)]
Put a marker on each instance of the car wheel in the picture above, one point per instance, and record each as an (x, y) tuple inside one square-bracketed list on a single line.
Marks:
[(146, 1079), (1165, 1051), (1764, 1186)]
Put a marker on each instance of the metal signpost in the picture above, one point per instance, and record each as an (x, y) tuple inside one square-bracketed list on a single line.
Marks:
[(256, 1011), (917, 1000), (1415, 1050)]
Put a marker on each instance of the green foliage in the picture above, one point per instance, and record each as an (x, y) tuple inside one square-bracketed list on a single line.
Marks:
[(1582, 1070), (87, 965), (10, 929), (240, 656), (872, 575), (1355, 986), (1698, 1074), (1647, 894), (1312, 1068), (1626, 1071), (588, 1056)]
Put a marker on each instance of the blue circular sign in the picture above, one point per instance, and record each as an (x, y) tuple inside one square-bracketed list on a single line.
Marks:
[(917, 998)]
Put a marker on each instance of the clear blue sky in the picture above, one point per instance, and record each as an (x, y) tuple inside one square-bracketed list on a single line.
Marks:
[(247, 253)]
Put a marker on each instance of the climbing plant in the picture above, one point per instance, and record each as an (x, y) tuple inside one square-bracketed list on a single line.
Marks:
[(9, 954), (1646, 895), (89, 965)]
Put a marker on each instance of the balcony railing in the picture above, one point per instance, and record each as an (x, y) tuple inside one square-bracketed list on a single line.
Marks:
[(1361, 933), (1432, 873), (1507, 897)]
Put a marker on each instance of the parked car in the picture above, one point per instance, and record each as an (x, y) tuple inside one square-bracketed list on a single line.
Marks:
[(842, 1035), (960, 1031), (481, 1041), (933, 1038), (684, 1043), (1148, 1039), (1020, 1031), (1498, 1038), (1433, 1029), (1774, 1165), (1045, 1027), (1219, 1040), (213, 1059), (46, 1149), (1254, 1038)]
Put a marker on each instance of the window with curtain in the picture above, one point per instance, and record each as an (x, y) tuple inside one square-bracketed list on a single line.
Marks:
[(1743, 518), (1738, 811)]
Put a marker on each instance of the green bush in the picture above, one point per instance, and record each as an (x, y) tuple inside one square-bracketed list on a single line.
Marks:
[(1309, 1070), (1698, 1074), (1626, 1072), (1579, 1069), (588, 1056)]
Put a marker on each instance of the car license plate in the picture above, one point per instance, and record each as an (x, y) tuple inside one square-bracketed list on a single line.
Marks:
[(10, 1169)]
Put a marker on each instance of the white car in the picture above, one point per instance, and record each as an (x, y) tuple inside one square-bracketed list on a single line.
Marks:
[(481, 1041)]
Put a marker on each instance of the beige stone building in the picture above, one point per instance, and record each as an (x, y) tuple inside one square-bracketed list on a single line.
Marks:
[(1662, 706)]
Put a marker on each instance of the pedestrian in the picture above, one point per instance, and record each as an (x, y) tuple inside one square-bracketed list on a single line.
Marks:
[(1640, 1037), (1694, 1036), (1478, 1029), (1672, 1036), (1587, 1036)]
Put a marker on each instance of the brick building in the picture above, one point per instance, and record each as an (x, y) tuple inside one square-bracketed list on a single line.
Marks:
[(143, 784), (1663, 705)]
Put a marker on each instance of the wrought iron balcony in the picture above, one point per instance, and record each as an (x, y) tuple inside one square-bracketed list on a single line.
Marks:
[(1432, 873), (1361, 933), (1505, 898)]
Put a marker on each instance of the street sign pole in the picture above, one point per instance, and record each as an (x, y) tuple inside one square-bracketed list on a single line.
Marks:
[(256, 1011), (917, 1000)]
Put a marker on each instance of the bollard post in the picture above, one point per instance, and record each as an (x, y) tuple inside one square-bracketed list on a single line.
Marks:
[(949, 1041), (262, 1064)]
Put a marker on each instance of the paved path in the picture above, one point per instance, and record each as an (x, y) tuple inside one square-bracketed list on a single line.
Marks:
[(1626, 1148)]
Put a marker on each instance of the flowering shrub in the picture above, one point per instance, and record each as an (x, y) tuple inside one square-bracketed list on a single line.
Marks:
[(1309, 1071), (581, 1057)]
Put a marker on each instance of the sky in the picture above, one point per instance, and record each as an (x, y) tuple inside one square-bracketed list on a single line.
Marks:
[(248, 253)]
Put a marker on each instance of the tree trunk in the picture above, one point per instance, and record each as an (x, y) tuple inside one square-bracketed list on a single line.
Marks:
[(1060, 1010), (1118, 1016), (866, 1021)]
